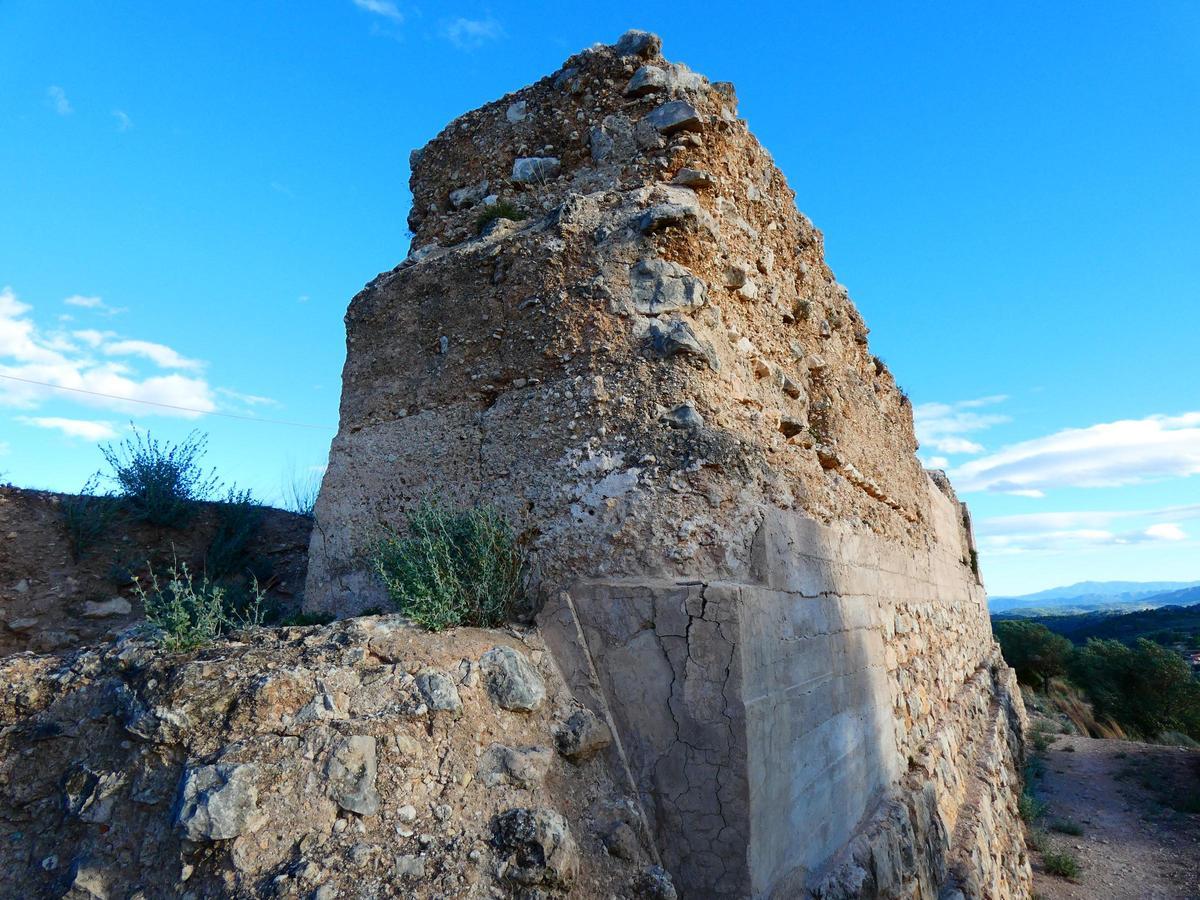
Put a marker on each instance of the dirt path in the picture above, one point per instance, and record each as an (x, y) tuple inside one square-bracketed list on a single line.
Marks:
[(1139, 808)]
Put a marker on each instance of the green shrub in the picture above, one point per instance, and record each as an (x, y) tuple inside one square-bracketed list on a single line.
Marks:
[(1040, 736), (87, 517), (190, 613), (1067, 826), (160, 482), (453, 568), (238, 518), (1064, 865), (502, 209), (1031, 808)]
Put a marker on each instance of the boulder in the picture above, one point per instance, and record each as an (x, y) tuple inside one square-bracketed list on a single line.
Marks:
[(511, 681), (537, 846), (218, 802)]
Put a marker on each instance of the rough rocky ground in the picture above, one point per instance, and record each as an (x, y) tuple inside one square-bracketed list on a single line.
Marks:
[(363, 759), (1134, 844)]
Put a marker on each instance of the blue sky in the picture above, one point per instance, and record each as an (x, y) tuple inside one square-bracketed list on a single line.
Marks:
[(191, 193)]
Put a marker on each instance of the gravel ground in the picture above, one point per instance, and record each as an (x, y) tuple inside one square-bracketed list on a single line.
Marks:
[(1139, 808)]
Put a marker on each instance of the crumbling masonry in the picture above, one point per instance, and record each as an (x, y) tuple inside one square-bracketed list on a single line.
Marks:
[(742, 565)]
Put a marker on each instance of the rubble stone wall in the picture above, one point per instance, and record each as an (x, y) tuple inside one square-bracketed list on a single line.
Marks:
[(648, 365)]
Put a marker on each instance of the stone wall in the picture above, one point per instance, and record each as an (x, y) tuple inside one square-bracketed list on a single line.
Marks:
[(650, 368)]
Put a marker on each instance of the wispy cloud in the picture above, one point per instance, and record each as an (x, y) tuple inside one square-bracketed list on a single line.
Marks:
[(942, 426), (82, 363), (95, 303), (124, 123), (247, 399), (160, 354), (1085, 529), (468, 34), (384, 8), (59, 101), (86, 429), (1110, 454)]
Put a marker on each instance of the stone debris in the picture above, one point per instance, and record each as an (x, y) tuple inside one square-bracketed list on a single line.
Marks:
[(218, 802), (115, 606), (351, 771), (654, 883), (674, 116), (439, 691), (223, 791), (525, 767), (535, 169), (511, 681), (582, 735), (536, 848), (661, 287)]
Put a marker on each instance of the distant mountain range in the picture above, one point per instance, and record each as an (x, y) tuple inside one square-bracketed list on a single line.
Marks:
[(1099, 596)]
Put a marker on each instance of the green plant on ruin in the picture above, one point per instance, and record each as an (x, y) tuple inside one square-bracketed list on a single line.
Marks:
[(160, 482), (502, 209), (239, 516), (188, 613), (453, 567), (87, 517)]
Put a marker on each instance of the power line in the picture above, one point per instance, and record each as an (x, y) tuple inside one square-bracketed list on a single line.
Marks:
[(202, 412)]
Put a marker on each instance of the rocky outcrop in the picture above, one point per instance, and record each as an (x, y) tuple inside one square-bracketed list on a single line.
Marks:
[(615, 324), (307, 763)]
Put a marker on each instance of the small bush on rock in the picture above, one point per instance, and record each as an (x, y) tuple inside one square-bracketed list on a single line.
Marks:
[(190, 613), (160, 482), (453, 568), (500, 210)]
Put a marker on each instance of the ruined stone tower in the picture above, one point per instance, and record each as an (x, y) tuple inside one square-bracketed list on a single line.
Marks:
[(647, 364)]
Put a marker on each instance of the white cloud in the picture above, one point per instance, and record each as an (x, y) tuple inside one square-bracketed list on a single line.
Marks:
[(87, 429), (92, 337), (941, 426), (467, 34), (160, 354), (124, 123), (247, 399), (1106, 455), (1167, 531), (936, 462), (384, 8), (96, 303), (58, 99), (29, 355)]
